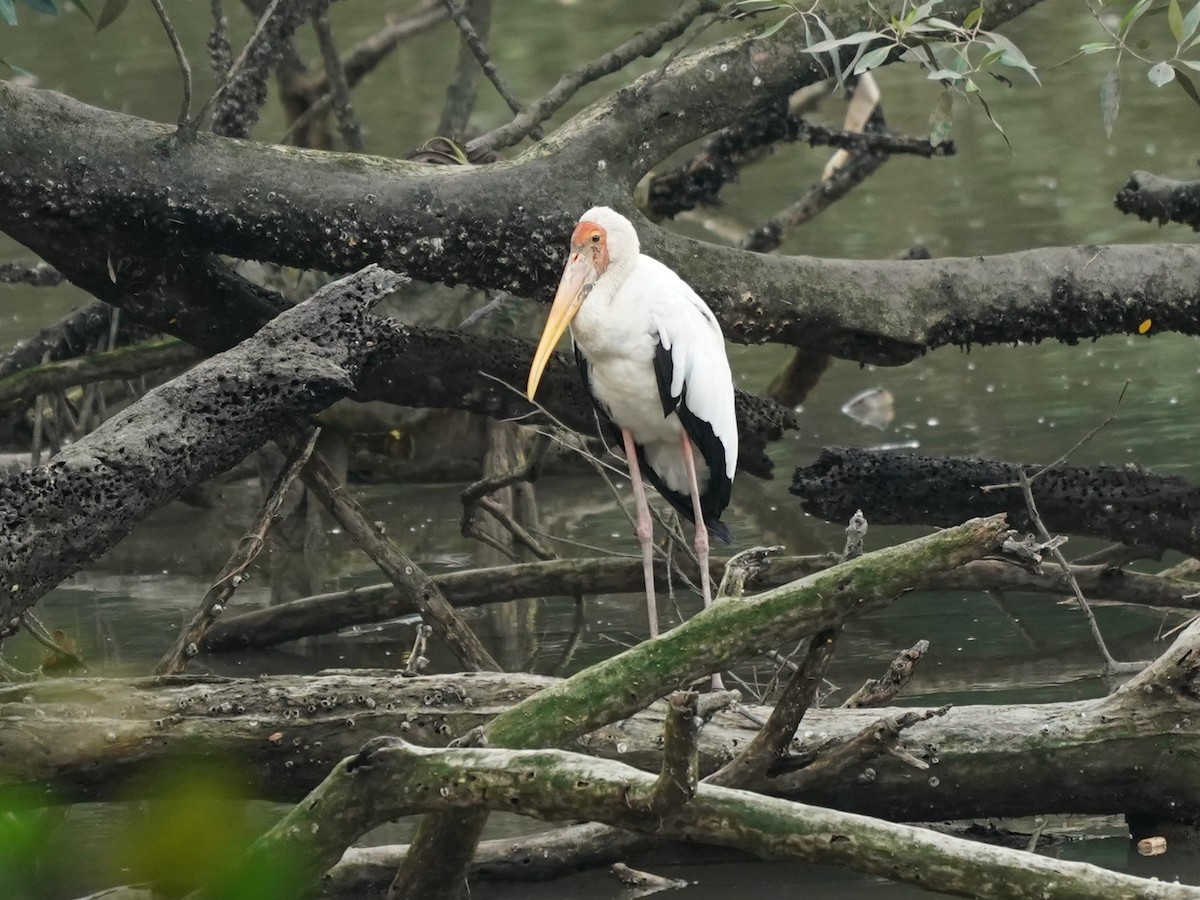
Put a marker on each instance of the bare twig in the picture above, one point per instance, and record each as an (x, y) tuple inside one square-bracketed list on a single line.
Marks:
[(417, 660), (1111, 666), (405, 574), (187, 128), (676, 782), (215, 599), (460, 94), (362, 59), (647, 43), (475, 43), (495, 300), (880, 691), (338, 88)]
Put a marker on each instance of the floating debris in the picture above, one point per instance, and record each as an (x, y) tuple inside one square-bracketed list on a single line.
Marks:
[(874, 407)]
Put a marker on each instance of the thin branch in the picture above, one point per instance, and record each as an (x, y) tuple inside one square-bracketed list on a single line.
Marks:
[(475, 43), (338, 88), (216, 598), (110, 365), (405, 574), (647, 43), (417, 660), (187, 128), (1111, 666)]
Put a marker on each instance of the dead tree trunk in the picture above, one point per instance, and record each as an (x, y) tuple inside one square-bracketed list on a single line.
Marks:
[(1122, 504)]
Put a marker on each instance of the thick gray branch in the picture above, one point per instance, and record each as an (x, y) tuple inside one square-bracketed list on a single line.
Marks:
[(57, 517)]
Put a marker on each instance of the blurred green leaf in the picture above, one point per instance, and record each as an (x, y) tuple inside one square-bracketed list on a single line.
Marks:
[(1096, 47), (8, 11), (945, 75), (45, 7), (111, 11), (767, 32), (973, 17), (1191, 22), (859, 37), (1135, 13), (15, 69), (1175, 19), (1011, 55), (871, 60), (78, 4), (1110, 99), (1186, 83)]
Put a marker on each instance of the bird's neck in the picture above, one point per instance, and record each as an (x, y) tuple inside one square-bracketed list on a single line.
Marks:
[(600, 318)]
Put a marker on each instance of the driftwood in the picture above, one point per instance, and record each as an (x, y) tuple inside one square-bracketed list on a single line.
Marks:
[(326, 613), (1124, 504), (56, 517)]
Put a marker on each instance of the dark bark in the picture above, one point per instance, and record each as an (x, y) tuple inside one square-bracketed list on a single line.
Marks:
[(327, 613), (57, 517), (503, 226), (1153, 198), (72, 335), (1123, 504), (200, 300)]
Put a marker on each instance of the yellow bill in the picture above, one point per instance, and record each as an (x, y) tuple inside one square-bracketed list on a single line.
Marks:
[(577, 280)]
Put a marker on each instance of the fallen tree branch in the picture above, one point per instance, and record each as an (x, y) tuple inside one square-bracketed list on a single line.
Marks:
[(1122, 504), (326, 613), (56, 517), (84, 739), (390, 778), (124, 362), (213, 603), (413, 584), (706, 643), (1152, 198)]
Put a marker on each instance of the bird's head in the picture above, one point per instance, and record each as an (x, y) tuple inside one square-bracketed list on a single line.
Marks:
[(604, 241)]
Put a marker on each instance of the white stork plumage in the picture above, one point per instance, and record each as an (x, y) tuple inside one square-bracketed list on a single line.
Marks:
[(653, 357)]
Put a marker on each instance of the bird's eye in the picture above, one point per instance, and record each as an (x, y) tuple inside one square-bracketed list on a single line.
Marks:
[(595, 237)]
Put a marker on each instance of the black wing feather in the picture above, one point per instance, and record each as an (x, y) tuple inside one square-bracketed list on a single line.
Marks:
[(715, 497)]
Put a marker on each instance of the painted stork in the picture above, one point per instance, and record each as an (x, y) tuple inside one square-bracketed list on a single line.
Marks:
[(653, 357)]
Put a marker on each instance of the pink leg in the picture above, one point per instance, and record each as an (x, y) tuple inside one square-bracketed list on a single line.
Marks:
[(701, 537), (645, 528), (701, 530)]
